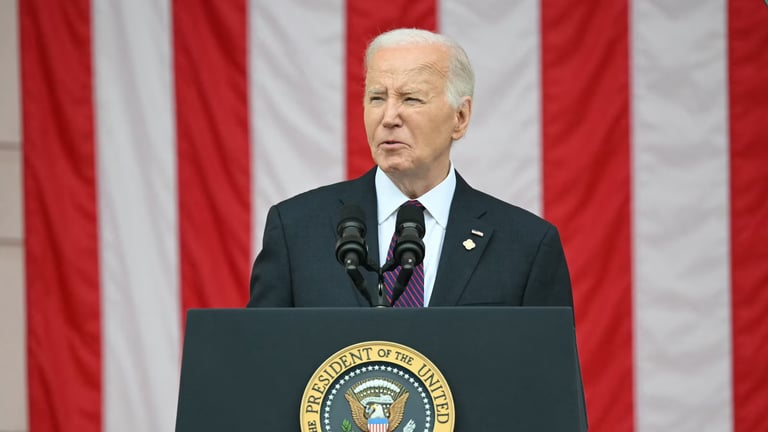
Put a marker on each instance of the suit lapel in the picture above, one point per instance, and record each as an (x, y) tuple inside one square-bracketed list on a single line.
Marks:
[(461, 248)]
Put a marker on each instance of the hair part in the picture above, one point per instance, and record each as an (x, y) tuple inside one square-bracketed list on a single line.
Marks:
[(461, 78)]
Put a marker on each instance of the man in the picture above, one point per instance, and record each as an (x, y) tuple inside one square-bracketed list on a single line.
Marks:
[(479, 250)]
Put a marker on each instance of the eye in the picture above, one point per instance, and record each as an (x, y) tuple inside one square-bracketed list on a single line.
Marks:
[(375, 99), (413, 100)]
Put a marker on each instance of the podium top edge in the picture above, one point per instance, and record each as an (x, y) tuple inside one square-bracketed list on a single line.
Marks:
[(410, 310)]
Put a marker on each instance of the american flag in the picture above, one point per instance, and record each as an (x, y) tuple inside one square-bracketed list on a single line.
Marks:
[(156, 135)]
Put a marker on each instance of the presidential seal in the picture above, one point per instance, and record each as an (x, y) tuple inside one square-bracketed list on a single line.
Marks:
[(377, 387)]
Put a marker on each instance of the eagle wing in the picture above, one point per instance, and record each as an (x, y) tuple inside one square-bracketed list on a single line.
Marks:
[(358, 411), (397, 411)]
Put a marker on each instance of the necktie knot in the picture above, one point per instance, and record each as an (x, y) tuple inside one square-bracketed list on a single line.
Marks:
[(414, 203)]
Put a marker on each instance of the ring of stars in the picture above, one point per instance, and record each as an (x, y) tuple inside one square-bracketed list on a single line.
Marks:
[(405, 375)]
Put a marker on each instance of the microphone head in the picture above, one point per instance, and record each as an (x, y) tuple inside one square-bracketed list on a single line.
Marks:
[(409, 248), (411, 216), (351, 248), (351, 215)]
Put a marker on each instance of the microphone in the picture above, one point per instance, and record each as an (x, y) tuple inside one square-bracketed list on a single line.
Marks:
[(351, 248), (409, 248)]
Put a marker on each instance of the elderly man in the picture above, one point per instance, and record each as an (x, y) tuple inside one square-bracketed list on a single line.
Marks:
[(478, 250)]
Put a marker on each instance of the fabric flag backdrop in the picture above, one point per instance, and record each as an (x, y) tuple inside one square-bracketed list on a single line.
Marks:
[(157, 134)]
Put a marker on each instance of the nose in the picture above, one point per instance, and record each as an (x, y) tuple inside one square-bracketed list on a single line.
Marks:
[(392, 114)]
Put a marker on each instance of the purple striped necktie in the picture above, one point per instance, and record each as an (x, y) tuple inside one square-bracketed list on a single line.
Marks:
[(413, 296)]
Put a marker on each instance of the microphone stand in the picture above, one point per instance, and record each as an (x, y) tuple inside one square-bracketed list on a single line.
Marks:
[(381, 297), (353, 270), (352, 267), (406, 271)]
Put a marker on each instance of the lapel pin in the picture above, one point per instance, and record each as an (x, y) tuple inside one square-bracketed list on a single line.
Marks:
[(469, 244), (477, 233)]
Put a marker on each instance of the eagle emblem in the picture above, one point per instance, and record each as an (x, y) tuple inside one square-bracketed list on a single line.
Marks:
[(377, 405)]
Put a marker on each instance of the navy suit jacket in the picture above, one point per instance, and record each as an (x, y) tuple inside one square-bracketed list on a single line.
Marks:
[(519, 260)]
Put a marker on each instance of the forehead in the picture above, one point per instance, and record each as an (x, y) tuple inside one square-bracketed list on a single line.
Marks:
[(408, 64)]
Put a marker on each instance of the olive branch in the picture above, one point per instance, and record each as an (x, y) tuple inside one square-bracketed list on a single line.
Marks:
[(346, 426)]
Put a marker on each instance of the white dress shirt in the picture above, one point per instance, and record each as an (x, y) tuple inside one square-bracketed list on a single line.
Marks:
[(437, 207)]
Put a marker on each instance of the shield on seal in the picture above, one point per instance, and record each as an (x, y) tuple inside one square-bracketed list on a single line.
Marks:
[(380, 424)]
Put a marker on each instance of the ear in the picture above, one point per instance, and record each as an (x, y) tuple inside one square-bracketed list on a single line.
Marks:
[(463, 114)]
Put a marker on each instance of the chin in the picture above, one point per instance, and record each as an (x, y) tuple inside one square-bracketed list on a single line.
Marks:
[(393, 168)]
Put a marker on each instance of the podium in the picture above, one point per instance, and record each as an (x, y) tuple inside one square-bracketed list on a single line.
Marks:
[(511, 369)]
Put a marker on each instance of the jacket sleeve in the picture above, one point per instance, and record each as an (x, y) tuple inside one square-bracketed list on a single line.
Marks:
[(271, 273), (549, 283)]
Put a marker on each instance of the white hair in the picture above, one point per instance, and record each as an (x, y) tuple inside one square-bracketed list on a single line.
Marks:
[(461, 78)]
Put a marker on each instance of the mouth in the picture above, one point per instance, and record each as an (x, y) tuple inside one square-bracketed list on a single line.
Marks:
[(390, 143)]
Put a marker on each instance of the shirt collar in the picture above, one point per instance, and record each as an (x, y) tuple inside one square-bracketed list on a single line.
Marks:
[(437, 201)]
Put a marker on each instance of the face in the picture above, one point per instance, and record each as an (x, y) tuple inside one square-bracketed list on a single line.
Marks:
[(409, 123)]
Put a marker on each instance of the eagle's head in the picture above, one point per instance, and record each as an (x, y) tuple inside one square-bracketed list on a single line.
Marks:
[(375, 411)]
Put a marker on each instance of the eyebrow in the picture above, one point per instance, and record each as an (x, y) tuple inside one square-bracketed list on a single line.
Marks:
[(409, 91), (403, 92)]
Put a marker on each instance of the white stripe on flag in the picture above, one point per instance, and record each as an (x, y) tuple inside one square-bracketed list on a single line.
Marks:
[(682, 303), (138, 214), (501, 153), (296, 77)]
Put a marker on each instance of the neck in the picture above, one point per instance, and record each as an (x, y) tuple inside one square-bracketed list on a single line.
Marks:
[(414, 186)]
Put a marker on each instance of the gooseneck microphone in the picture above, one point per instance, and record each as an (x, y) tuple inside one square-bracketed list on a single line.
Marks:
[(351, 248), (408, 251), (409, 247)]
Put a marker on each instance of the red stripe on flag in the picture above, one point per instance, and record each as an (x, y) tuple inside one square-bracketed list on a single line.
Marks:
[(586, 179), (365, 20), (748, 70), (213, 152), (61, 237)]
